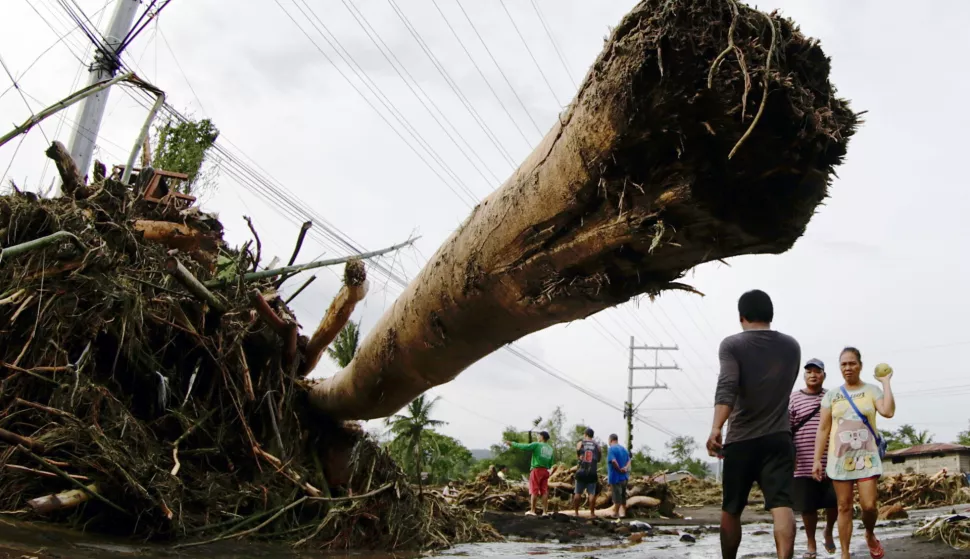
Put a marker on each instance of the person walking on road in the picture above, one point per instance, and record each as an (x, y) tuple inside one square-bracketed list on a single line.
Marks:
[(587, 478), (618, 474), (542, 455), (855, 450), (759, 367), (808, 494)]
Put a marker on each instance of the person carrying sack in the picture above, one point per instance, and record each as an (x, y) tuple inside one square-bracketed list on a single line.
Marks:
[(808, 494)]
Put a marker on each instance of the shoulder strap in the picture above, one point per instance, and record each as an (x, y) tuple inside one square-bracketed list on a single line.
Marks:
[(801, 423), (865, 420)]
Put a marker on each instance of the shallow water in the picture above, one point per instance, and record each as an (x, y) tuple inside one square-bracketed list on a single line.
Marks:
[(46, 542)]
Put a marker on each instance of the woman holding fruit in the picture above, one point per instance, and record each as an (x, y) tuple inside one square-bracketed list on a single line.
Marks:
[(855, 450)]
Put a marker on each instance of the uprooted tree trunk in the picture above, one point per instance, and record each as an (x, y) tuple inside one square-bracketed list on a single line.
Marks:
[(680, 148)]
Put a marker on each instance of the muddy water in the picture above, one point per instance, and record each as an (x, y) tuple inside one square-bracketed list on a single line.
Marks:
[(19, 540)]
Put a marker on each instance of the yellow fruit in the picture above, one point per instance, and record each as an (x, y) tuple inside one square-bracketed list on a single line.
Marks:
[(883, 370)]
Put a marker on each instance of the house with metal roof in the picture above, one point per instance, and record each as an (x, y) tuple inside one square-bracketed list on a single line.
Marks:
[(928, 459)]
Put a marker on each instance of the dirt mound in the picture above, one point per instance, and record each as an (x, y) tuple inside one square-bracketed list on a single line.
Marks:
[(136, 400)]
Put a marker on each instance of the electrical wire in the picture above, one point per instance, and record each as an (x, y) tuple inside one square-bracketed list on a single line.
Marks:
[(452, 84), (486, 80), (529, 50), (555, 44), (388, 54)]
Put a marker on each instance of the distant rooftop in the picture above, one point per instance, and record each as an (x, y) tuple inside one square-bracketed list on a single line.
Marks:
[(935, 448)]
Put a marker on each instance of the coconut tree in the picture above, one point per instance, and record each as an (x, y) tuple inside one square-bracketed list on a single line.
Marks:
[(345, 346), (408, 429)]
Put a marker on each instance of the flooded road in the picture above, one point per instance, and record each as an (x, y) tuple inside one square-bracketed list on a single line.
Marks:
[(27, 541)]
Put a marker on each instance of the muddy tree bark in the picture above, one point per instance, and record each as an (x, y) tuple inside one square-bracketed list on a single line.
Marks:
[(650, 172)]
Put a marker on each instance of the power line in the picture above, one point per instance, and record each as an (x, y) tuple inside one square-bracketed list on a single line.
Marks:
[(17, 87), (498, 66), (529, 50), (452, 84), (388, 54), (361, 74), (482, 74), (371, 104), (555, 44)]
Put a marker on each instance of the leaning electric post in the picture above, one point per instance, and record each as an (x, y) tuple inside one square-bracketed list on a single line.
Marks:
[(629, 410), (107, 61)]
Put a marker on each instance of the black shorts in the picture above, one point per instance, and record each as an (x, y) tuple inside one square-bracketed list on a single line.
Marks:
[(809, 495), (768, 460)]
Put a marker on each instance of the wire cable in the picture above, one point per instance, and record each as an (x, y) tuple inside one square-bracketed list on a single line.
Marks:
[(529, 50)]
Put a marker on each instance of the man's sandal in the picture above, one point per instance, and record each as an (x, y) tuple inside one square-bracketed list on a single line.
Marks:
[(809, 555), (830, 548)]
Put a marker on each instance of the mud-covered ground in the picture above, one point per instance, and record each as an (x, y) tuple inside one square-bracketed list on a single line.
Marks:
[(554, 536)]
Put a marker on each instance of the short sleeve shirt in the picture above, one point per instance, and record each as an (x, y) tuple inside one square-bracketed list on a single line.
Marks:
[(621, 456), (853, 453)]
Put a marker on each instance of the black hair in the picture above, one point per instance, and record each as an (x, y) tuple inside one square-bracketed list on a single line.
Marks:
[(589, 432), (544, 435), (613, 437), (851, 349), (755, 306)]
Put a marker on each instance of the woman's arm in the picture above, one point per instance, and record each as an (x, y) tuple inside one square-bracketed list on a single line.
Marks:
[(886, 406), (821, 441)]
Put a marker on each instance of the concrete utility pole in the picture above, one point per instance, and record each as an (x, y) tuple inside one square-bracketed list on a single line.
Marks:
[(105, 66), (630, 410)]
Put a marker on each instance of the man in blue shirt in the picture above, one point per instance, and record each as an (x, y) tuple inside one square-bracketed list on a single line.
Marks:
[(618, 465)]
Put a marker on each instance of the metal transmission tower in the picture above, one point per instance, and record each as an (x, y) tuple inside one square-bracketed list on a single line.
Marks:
[(630, 410), (106, 64)]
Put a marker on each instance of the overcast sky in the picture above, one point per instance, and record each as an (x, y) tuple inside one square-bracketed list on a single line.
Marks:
[(883, 266)]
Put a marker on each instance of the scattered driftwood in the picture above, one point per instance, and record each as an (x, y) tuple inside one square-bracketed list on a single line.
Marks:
[(653, 169), (632, 503), (15, 439), (922, 491), (192, 284), (177, 235), (62, 501), (73, 180), (188, 422), (953, 530), (337, 315)]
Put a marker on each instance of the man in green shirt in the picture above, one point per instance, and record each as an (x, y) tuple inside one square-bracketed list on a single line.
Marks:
[(542, 456)]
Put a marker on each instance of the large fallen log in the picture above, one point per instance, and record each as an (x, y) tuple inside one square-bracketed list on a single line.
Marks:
[(704, 130), (631, 503)]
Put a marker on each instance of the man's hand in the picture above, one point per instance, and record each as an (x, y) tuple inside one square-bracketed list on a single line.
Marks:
[(508, 443), (817, 472), (714, 445)]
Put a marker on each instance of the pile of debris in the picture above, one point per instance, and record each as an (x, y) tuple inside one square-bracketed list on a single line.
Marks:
[(151, 383), (488, 492), (695, 492), (922, 491), (953, 530)]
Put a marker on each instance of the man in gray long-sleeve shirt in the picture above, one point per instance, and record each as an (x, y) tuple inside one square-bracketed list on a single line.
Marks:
[(759, 367)]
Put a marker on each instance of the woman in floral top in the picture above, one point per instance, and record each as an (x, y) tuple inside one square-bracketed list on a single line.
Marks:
[(853, 449)]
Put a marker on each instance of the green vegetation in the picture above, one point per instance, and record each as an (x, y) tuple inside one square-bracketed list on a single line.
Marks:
[(182, 147), (963, 437), (905, 437)]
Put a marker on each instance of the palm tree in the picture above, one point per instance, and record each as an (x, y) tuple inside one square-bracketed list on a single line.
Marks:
[(345, 346), (408, 429)]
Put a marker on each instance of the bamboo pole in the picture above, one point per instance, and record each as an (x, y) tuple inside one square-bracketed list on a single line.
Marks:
[(71, 99), (253, 276), (192, 284), (43, 242)]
